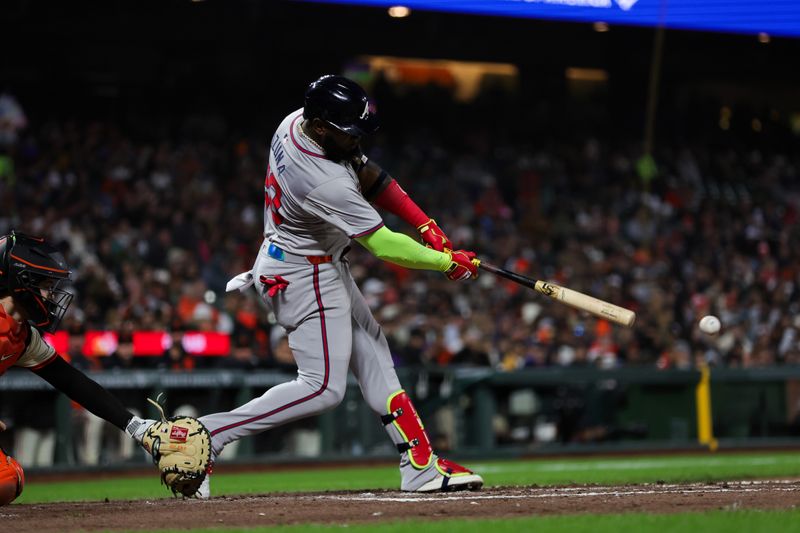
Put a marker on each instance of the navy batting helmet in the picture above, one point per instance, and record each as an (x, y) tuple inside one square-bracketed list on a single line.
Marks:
[(342, 103), (31, 271)]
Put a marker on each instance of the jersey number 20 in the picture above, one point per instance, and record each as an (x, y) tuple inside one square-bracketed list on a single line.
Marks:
[(272, 197)]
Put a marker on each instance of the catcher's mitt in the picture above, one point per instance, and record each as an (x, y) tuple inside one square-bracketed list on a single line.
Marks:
[(181, 448)]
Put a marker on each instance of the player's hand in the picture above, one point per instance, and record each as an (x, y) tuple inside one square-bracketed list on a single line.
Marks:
[(358, 160), (433, 236), (461, 265), (12, 336)]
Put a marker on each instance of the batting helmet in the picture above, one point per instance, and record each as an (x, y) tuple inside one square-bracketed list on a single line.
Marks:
[(342, 103), (31, 271)]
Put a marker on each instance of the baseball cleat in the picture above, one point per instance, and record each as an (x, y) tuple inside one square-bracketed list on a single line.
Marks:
[(204, 492), (451, 477)]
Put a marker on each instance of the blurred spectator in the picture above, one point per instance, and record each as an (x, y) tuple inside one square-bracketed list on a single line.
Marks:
[(156, 225), (177, 360)]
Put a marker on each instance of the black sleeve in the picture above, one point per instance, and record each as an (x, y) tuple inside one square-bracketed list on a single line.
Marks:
[(383, 180), (82, 389)]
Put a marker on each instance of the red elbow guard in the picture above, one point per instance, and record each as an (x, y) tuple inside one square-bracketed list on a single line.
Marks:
[(405, 418), (395, 200)]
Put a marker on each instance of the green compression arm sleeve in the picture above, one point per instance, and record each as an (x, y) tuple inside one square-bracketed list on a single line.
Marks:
[(402, 250)]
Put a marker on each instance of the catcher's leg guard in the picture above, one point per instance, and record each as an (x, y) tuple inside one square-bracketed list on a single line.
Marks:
[(404, 417), (12, 478)]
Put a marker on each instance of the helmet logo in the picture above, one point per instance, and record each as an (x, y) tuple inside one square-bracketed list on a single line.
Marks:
[(365, 113)]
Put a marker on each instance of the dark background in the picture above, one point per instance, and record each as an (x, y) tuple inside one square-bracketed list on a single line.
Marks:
[(149, 65)]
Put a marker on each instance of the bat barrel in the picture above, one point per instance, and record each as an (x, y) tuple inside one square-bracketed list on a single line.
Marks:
[(590, 304), (614, 313)]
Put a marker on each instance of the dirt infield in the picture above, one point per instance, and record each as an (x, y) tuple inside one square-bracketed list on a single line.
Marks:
[(384, 506)]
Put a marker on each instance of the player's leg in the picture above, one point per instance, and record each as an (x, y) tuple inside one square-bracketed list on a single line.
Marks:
[(12, 478), (371, 362), (315, 310)]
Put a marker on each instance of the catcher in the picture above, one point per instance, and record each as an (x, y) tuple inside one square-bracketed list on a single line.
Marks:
[(32, 298)]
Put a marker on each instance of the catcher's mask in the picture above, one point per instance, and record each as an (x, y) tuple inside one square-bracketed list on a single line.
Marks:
[(33, 271)]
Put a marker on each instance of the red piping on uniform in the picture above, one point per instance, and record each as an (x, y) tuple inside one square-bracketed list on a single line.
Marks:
[(304, 150), (324, 379), (371, 230)]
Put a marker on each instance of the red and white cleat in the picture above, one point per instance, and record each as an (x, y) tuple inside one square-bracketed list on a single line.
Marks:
[(451, 477)]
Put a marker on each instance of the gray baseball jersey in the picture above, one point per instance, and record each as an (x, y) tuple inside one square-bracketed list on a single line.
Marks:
[(313, 207)]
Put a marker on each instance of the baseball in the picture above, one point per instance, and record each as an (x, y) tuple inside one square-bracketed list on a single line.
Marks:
[(709, 324)]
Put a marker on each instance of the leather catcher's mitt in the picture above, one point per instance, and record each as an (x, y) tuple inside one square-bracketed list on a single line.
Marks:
[(181, 448)]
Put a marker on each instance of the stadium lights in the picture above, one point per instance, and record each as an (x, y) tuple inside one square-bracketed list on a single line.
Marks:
[(399, 12), (586, 74)]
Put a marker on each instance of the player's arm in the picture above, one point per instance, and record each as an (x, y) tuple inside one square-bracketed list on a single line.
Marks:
[(82, 389), (383, 190), (338, 202), (42, 359), (402, 250)]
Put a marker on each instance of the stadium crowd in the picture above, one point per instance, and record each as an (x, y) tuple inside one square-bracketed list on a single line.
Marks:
[(154, 227)]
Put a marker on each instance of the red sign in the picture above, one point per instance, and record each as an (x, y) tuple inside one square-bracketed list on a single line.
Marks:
[(202, 343), (58, 340), (151, 343), (100, 343), (145, 343)]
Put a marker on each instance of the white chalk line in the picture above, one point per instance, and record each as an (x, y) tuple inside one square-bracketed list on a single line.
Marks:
[(629, 464), (568, 492)]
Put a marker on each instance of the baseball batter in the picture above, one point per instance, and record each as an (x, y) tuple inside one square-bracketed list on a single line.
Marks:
[(318, 191)]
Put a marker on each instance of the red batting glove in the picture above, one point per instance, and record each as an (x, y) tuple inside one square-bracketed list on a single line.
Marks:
[(433, 236), (461, 266), (275, 284)]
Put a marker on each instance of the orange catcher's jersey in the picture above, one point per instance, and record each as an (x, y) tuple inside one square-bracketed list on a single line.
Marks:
[(313, 206), (20, 348)]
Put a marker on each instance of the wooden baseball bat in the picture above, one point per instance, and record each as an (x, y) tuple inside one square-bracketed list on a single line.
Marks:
[(578, 300)]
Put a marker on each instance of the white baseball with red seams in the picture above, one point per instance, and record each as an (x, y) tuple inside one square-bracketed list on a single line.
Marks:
[(710, 324)]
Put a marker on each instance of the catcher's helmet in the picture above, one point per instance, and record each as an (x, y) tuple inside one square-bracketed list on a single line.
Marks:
[(31, 271), (342, 103)]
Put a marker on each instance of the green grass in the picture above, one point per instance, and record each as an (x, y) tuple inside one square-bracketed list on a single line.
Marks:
[(706, 467), (712, 522)]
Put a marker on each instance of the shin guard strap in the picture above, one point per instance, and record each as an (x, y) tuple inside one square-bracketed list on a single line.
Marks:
[(388, 419)]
